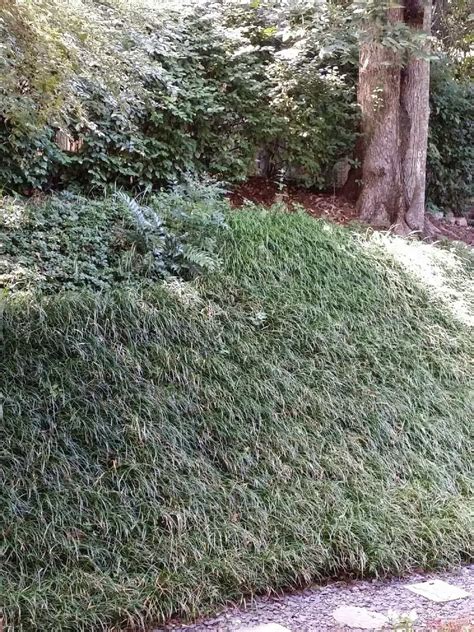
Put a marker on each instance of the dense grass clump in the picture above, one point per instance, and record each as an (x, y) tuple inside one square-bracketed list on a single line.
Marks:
[(305, 413)]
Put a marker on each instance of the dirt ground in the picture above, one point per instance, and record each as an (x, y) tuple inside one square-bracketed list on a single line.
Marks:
[(267, 192)]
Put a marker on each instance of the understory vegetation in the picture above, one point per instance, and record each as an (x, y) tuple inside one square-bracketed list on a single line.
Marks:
[(302, 411), (68, 241), (98, 93)]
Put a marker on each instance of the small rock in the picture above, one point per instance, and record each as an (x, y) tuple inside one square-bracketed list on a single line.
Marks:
[(437, 590), (461, 221), (362, 618), (437, 214)]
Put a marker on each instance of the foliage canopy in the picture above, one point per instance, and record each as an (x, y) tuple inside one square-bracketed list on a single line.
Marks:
[(147, 94)]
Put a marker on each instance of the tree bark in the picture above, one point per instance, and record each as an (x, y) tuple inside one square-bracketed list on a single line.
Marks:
[(394, 103), (380, 200), (414, 123), (439, 18)]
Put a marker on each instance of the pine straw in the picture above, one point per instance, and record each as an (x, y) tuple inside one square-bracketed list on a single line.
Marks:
[(259, 190), (305, 414)]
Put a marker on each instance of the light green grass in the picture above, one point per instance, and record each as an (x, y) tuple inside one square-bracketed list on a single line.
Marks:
[(304, 414)]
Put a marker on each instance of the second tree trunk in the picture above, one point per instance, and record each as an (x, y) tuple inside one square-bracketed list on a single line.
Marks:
[(394, 102)]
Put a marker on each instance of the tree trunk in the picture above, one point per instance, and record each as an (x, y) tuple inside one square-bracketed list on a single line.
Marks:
[(380, 200), (394, 103), (439, 18), (414, 122)]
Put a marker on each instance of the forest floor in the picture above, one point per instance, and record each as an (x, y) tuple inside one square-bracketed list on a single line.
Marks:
[(312, 610), (267, 192)]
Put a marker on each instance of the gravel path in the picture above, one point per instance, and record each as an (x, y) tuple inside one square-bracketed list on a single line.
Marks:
[(311, 610)]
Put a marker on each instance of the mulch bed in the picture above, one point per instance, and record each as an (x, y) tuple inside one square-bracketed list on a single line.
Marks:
[(457, 233), (266, 192)]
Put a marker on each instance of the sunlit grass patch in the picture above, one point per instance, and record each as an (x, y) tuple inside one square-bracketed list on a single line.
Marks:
[(446, 273)]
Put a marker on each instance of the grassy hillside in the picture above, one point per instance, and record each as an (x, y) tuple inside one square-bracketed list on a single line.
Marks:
[(304, 413)]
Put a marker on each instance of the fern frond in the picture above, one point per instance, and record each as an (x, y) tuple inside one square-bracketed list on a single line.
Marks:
[(200, 258), (146, 218)]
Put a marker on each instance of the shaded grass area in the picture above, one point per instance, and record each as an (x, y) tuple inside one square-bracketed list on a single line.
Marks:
[(303, 414)]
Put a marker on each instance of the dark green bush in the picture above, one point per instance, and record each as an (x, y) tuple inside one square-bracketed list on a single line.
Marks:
[(69, 242), (153, 95)]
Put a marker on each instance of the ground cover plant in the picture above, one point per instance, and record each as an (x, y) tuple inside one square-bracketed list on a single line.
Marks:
[(301, 412), (70, 242)]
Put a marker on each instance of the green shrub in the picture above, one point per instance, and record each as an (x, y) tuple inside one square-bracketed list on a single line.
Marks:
[(318, 108), (151, 95), (451, 144), (305, 413), (67, 241)]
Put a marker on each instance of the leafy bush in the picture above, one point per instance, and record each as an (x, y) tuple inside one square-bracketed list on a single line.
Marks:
[(451, 144), (321, 118), (304, 413), (150, 95), (145, 96), (67, 241)]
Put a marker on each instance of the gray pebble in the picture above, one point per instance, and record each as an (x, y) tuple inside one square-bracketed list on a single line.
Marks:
[(311, 610)]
